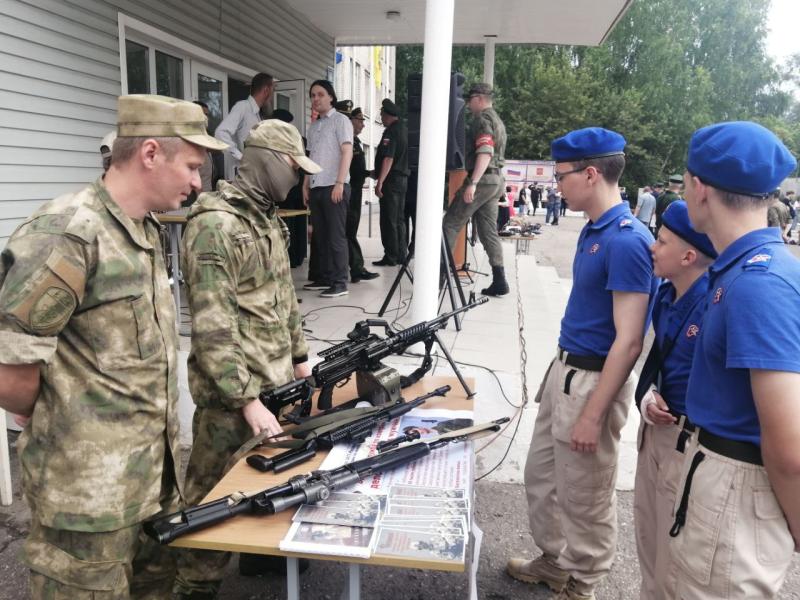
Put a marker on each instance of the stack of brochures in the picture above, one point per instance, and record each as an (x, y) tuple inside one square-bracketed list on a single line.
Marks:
[(342, 525), (427, 523)]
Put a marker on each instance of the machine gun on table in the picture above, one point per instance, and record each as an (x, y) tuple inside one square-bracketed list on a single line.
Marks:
[(361, 355), (303, 489)]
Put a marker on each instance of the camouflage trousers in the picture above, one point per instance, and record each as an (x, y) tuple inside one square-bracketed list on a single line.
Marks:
[(483, 210), (217, 435), (106, 565)]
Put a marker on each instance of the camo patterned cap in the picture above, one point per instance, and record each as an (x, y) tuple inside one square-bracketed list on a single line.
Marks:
[(281, 137), (148, 115)]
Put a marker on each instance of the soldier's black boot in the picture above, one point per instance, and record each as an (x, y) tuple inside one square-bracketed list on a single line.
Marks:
[(499, 285)]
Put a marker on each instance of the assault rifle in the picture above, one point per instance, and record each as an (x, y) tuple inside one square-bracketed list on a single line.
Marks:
[(363, 351), (303, 489), (352, 431)]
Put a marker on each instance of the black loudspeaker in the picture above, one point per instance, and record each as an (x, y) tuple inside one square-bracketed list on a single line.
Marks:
[(456, 135), (414, 88)]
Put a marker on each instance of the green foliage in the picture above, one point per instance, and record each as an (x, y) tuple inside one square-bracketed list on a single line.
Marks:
[(669, 67)]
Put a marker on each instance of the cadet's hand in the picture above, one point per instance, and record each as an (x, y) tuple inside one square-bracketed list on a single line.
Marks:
[(379, 189), (306, 194), (585, 434), (259, 418), (469, 193), (302, 370), (658, 411)]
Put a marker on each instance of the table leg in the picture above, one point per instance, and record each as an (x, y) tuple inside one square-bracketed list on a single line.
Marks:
[(292, 578), (174, 240), (5, 463), (352, 588)]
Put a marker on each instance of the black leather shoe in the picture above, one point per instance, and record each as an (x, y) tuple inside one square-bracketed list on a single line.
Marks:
[(367, 275), (253, 565), (384, 262)]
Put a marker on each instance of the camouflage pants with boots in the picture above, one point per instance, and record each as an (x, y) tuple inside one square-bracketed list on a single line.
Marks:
[(108, 565), (217, 435), (483, 210)]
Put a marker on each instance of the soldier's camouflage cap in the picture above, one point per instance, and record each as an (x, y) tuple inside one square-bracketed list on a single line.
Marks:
[(276, 135), (148, 115)]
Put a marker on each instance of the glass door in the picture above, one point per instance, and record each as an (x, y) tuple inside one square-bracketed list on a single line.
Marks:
[(209, 86), (291, 95)]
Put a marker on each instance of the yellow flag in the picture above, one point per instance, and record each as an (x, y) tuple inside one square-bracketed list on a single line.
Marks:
[(376, 53)]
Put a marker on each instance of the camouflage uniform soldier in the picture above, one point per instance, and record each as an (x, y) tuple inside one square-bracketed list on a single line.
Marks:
[(485, 157), (246, 325), (88, 358)]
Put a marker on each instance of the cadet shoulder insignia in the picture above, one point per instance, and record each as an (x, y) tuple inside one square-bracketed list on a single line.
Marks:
[(626, 223), (760, 261)]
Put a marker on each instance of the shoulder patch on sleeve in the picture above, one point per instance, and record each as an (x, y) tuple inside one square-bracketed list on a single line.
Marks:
[(760, 261), (50, 296), (626, 223)]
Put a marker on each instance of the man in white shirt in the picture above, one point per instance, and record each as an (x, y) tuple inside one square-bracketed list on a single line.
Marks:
[(646, 207), (244, 115)]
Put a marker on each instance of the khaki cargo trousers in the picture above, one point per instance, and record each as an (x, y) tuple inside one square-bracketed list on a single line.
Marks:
[(572, 504), (736, 541), (658, 475)]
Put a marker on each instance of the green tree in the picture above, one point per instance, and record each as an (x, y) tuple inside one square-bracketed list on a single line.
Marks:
[(669, 67)]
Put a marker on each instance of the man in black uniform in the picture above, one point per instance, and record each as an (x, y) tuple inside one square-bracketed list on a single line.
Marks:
[(668, 197), (358, 174), (391, 170)]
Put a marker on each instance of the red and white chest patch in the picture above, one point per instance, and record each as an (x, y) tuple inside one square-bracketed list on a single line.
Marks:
[(594, 248), (718, 295), (692, 331)]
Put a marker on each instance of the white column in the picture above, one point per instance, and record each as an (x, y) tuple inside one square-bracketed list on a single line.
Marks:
[(432, 150), (488, 59)]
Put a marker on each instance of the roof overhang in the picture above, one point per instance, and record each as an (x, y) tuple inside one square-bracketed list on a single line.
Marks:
[(365, 22)]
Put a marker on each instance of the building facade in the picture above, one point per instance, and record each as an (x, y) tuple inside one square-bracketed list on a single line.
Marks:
[(64, 62)]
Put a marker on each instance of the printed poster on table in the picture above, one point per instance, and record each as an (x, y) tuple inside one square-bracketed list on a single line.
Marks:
[(447, 467)]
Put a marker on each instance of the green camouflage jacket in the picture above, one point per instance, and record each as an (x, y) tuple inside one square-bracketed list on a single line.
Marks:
[(85, 293), (486, 135), (246, 325)]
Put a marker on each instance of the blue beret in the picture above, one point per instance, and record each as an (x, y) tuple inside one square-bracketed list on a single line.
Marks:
[(676, 219), (583, 144), (740, 157)]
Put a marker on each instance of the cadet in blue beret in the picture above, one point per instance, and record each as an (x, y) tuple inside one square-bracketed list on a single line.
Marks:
[(739, 497), (572, 462), (682, 256)]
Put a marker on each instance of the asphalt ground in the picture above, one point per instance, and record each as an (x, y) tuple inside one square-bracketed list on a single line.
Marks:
[(500, 510)]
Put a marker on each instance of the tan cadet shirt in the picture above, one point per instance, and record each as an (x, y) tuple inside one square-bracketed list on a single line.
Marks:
[(246, 324), (85, 291), (487, 135)]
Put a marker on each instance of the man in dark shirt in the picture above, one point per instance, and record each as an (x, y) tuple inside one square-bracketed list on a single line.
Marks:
[(358, 174), (391, 171)]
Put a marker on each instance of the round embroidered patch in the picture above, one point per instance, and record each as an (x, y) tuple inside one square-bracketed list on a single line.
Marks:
[(52, 309)]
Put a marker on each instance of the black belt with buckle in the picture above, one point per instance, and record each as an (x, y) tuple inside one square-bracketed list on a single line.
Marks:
[(743, 451), (587, 363)]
